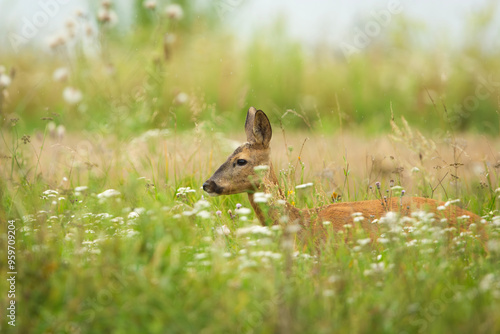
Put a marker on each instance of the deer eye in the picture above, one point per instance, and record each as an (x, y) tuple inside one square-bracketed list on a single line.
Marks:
[(241, 162)]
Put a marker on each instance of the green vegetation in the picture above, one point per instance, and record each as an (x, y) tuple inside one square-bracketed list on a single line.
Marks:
[(101, 165)]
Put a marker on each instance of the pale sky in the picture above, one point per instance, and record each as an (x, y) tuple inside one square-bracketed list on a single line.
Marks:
[(310, 22)]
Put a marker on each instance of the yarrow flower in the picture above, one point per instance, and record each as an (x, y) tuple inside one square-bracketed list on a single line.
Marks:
[(108, 194), (261, 197)]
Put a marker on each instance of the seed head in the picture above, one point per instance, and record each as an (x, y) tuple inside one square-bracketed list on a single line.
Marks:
[(150, 4), (72, 95), (174, 11)]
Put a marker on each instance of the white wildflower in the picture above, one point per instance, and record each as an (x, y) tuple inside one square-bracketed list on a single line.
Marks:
[(174, 11), (81, 188), (494, 246), (200, 256), (140, 210), (411, 243), (451, 202), (328, 293), (272, 255), (4, 80), (181, 98), (326, 222), (363, 242), (133, 215), (261, 197), (358, 219), (223, 230), (107, 16), (204, 214), (57, 40), (305, 185), (103, 215), (150, 4), (441, 208), (415, 170), (61, 74), (487, 282), (109, 193), (50, 193), (130, 233), (243, 211), (382, 240), (261, 168), (293, 228), (169, 39), (390, 218), (201, 204), (184, 191), (254, 229), (72, 95)]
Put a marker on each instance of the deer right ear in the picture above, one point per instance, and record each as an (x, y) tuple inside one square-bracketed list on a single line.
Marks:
[(249, 124), (262, 131)]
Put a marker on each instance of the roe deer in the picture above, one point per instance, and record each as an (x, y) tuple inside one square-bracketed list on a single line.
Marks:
[(238, 175)]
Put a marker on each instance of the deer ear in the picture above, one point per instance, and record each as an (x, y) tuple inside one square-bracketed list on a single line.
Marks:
[(262, 131), (249, 124)]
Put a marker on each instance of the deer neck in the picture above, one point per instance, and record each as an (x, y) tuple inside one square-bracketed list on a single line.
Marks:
[(268, 182)]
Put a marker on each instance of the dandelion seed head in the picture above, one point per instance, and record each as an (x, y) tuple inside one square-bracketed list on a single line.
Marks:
[(149, 4), (174, 11)]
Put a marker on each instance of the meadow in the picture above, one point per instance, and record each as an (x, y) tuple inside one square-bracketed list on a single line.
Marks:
[(108, 135)]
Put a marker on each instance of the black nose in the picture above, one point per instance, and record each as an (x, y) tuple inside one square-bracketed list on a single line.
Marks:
[(209, 186), (212, 188)]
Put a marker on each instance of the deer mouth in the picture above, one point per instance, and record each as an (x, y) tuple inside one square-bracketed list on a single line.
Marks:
[(212, 188)]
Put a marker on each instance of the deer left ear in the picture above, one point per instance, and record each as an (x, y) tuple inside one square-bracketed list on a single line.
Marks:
[(249, 124), (262, 131)]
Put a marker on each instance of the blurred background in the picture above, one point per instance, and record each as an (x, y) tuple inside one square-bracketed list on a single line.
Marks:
[(129, 66)]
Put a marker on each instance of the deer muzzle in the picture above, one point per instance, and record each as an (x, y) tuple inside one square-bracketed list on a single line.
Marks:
[(212, 188)]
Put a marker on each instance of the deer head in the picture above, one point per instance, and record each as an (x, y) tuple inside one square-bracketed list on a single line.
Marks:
[(237, 174)]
